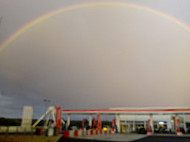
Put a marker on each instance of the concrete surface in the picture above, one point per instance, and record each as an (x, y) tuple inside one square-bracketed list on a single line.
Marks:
[(115, 137), (129, 138)]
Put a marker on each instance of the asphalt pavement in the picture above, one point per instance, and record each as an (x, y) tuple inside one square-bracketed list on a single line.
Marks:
[(164, 139), (128, 138)]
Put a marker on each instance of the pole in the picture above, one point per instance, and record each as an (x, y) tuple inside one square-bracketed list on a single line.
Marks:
[(118, 123)]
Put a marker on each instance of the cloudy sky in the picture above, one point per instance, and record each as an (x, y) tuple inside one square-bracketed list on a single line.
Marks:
[(94, 57)]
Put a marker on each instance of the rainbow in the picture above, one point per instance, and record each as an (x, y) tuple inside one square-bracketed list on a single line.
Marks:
[(27, 26)]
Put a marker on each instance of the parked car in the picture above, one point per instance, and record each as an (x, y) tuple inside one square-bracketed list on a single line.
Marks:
[(142, 131), (188, 130), (182, 130), (161, 130)]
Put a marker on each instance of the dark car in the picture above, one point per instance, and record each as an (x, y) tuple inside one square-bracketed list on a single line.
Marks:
[(182, 130), (163, 130), (142, 131)]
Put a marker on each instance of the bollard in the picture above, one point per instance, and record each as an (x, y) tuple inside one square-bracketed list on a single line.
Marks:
[(40, 131), (96, 132), (66, 133), (76, 133), (83, 132), (87, 132), (149, 131), (91, 132), (179, 133), (113, 130), (109, 131)]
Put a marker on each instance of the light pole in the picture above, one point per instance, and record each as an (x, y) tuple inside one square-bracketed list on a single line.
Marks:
[(46, 101), (2, 95)]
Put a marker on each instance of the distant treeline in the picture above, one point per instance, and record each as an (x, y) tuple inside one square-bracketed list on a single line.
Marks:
[(17, 122), (10, 122)]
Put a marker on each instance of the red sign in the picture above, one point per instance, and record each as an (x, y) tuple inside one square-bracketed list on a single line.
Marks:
[(93, 123), (58, 118), (99, 123), (113, 123), (149, 126), (177, 123)]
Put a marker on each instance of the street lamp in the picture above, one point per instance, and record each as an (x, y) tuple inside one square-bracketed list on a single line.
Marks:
[(46, 101)]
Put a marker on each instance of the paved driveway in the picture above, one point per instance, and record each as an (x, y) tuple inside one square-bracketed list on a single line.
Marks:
[(128, 138), (164, 139), (115, 137)]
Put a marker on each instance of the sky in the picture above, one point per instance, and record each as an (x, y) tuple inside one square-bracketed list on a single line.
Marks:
[(94, 57)]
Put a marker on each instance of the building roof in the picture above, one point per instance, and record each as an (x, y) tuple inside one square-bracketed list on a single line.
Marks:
[(138, 111)]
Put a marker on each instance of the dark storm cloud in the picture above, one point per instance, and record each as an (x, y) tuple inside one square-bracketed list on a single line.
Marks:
[(98, 57)]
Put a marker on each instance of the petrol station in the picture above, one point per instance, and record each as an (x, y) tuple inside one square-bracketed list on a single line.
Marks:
[(124, 120), (128, 119)]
